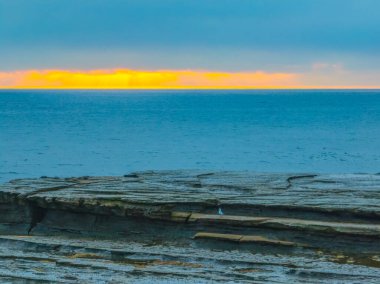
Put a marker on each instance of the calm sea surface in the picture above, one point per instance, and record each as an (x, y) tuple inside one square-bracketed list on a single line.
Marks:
[(71, 133)]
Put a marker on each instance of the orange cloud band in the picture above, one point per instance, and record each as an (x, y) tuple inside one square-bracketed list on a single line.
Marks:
[(133, 79)]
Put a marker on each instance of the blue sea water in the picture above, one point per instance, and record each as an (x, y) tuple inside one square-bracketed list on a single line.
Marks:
[(72, 133)]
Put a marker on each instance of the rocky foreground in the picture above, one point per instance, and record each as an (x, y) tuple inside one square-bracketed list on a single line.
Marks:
[(188, 226)]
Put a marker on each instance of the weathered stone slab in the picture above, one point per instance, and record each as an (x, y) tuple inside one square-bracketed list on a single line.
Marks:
[(69, 260), (350, 194), (355, 193), (192, 226)]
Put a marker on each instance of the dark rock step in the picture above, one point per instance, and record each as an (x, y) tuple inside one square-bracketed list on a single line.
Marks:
[(335, 228)]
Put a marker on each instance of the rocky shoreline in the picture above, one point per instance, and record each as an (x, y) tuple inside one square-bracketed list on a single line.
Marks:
[(191, 226)]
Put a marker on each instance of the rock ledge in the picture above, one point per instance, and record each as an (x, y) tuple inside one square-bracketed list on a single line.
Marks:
[(191, 226)]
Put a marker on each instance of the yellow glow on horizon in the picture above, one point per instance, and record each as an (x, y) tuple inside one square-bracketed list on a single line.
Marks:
[(161, 79), (135, 79)]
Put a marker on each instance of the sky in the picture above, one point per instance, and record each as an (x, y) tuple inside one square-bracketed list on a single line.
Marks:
[(190, 44)]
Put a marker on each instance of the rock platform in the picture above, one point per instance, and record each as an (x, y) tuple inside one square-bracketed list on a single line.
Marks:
[(191, 227)]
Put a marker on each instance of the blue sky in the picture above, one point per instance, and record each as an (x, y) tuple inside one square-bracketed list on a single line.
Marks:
[(229, 35)]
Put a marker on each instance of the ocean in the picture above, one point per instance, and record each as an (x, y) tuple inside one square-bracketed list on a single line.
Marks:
[(76, 133)]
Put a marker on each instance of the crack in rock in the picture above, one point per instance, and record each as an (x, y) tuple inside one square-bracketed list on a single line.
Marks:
[(291, 178)]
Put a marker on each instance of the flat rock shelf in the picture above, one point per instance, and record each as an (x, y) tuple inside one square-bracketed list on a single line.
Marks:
[(191, 227)]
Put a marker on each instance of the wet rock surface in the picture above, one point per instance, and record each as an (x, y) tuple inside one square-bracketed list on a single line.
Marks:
[(190, 226)]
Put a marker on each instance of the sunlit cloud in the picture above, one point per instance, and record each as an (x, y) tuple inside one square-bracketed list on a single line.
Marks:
[(320, 76), (135, 79)]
